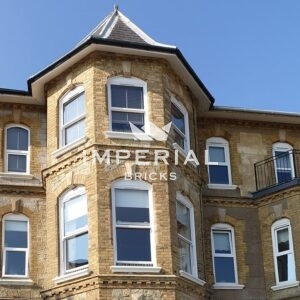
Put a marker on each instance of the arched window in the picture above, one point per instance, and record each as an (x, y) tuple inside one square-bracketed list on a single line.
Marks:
[(186, 236), (218, 161), (180, 124), (283, 162), (73, 231), (72, 115), (127, 98), (15, 245), (17, 141), (133, 226), (283, 251), (224, 256)]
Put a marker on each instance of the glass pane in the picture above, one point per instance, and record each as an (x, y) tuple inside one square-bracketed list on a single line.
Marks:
[(15, 234), (135, 97), (77, 251), (118, 96), (73, 109), (16, 163), (74, 132), (283, 160), (75, 214), (17, 138), (185, 256), (15, 263), (216, 154), (133, 244), (120, 121), (283, 239), (222, 242), (183, 220), (218, 174), (132, 206), (282, 266), (284, 175), (127, 96), (177, 118), (224, 269), (179, 139)]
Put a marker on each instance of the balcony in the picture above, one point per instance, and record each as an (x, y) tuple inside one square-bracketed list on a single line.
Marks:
[(277, 172)]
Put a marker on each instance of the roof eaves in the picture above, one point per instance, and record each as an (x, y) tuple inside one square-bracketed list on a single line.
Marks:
[(125, 44), (14, 92)]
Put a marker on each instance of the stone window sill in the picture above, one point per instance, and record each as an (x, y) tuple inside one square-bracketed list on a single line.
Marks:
[(285, 285), (59, 152), (133, 269), (222, 186), (183, 154), (192, 278), (228, 286), (127, 136), (70, 276), (15, 281), (21, 176)]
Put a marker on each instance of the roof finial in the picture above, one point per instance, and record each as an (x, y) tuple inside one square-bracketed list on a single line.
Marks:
[(116, 7)]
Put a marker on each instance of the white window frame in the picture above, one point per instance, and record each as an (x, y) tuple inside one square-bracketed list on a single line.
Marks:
[(134, 82), (71, 95), (22, 218), (134, 266), (68, 196), (221, 143), (276, 226), (224, 227), (283, 147), (17, 152), (192, 242), (186, 135)]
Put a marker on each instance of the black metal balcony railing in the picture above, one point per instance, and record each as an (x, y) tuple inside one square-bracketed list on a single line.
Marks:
[(277, 169)]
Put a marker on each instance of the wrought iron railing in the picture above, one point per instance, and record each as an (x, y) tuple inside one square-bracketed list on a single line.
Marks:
[(277, 169)]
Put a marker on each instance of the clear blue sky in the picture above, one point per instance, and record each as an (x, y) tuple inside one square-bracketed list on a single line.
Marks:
[(247, 53)]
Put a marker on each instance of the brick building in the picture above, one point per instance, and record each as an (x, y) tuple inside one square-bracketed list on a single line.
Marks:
[(97, 202)]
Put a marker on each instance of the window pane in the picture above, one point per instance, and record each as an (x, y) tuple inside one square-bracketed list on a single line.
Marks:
[(75, 214), (127, 96), (183, 220), (282, 265), (17, 138), (77, 251), (15, 263), (73, 109), (283, 240), (177, 118), (218, 174), (179, 139), (132, 206), (224, 269), (16, 163), (283, 160), (15, 234), (216, 154), (74, 132), (118, 96), (222, 242), (135, 97), (120, 121), (133, 244), (185, 256)]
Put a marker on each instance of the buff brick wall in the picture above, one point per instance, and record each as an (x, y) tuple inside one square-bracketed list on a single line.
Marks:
[(68, 170), (271, 209), (26, 195)]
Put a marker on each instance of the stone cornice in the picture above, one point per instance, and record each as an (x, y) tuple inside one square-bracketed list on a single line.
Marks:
[(23, 107), (204, 122), (22, 190), (117, 281)]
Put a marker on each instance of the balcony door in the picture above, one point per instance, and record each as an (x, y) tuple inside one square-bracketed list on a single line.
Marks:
[(283, 162)]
